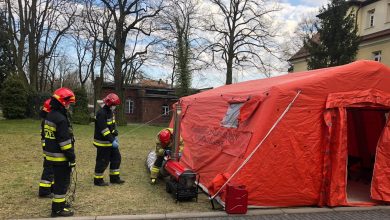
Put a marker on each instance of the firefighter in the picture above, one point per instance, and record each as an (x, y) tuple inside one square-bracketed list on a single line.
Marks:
[(106, 142), (59, 146), (164, 145), (47, 174)]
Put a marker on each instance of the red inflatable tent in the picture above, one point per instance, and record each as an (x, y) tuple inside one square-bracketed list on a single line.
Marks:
[(290, 139)]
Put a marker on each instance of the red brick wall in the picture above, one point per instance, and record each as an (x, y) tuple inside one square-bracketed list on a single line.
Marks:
[(152, 108), (145, 109)]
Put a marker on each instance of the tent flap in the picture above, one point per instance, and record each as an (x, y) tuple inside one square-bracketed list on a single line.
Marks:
[(380, 187)]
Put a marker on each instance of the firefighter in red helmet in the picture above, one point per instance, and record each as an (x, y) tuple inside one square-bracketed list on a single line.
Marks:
[(47, 176), (59, 148), (106, 142), (164, 145)]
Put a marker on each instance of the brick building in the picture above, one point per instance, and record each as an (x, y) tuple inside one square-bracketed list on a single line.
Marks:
[(145, 101)]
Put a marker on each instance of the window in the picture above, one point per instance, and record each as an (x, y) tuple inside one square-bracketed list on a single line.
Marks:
[(370, 17), (231, 118), (377, 56), (129, 107), (388, 12), (165, 110)]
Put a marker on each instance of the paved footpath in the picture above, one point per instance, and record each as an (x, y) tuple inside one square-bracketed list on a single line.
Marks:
[(339, 213)]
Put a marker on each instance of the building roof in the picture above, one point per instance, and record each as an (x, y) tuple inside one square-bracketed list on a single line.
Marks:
[(303, 53)]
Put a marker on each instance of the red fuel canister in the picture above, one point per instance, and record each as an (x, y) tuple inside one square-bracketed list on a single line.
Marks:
[(236, 199), (174, 169)]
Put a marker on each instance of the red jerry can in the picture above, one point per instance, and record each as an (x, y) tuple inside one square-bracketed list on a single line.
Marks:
[(236, 199)]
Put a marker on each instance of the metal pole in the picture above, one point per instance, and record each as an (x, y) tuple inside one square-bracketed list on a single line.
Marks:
[(176, 132)]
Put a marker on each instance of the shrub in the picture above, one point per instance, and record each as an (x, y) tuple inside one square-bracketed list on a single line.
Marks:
[(34, 103), (14, 98), (80, 110)]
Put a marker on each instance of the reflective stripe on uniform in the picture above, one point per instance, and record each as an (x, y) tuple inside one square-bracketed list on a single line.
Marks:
[(102, 143), (105, 131), (57, 157), (155, 169), (51, 128), (45, 183), (58, 198), (114, 172), (65, 145), (98, 176), (43, 142), (110, 121)]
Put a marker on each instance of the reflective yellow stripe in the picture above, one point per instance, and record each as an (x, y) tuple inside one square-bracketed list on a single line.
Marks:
[(44, 184), (66, 147), (155, 169), (59, 200), (48, 127), (106, 133), (114, 173), (98, 177), (56, 159), (102, 145), (110, 122)]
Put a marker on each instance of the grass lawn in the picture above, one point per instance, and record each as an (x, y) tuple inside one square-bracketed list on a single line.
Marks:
[(21, 167)]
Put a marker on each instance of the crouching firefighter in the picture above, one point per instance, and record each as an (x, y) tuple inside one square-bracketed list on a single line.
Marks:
[(106, 142), (164, 145), (59, 148), (47, 176)]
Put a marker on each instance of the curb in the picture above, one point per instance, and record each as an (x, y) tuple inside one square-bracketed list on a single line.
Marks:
[(215, 214)]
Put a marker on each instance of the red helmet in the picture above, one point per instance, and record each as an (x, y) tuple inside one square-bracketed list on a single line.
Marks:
[(165, 136), (65, 96), (112, 99), (46, 106)]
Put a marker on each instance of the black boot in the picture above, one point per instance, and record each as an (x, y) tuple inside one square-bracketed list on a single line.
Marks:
[(58, 210), (99, 182), (115, 179), (62, 213)]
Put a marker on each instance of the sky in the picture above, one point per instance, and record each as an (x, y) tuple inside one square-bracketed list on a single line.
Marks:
[(288, 18), (290, 14)]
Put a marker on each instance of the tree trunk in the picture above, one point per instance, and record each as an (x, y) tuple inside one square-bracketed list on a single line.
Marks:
[(118, 81), (229, 71), (33, 50)]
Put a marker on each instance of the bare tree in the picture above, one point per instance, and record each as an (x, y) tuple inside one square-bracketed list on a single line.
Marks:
[(39, 26), (306, 29), (85, 51), (97, 21), (128, 17), (18, 28), (179, 21), (243, 34)]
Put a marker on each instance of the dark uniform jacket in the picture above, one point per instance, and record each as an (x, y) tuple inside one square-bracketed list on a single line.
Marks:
[(59, 149), (105, 128), (43, 115)]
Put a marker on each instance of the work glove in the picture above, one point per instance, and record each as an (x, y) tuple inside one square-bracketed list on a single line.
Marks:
[(115, 132), (115, 144)]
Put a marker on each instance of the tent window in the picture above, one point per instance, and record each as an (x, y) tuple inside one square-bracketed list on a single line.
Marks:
[(231, 118)]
